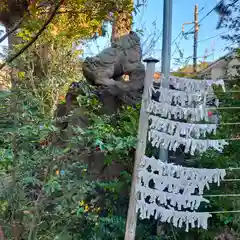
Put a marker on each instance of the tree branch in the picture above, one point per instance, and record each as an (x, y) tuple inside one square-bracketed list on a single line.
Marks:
[(12, 30), (11, 58)]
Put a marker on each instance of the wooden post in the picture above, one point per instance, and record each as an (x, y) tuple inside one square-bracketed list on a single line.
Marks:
[(195, 32), (140, 150)]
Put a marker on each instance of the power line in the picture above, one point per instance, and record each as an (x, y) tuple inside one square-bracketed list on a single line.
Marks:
[(204, 40), (212, 10), (202, 19), (205, 16), (201, 9), (177, 37), (177, 46), (180, 33)]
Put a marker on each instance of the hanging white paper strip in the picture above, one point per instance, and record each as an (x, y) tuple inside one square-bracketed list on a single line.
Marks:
[(172, 142), (177, 218), (178, 112), (177, 171), (188, 85), (180, 201), (193, 85), (182, 98), (181, 128), (162, 188), (173, 185), (165, 95)]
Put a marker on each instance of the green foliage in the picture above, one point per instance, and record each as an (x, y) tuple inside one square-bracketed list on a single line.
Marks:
[(48, 186), (45, 189), (115, 135), (47, 73), (34, 189), (212, 159), (228, 12), (75, 20)]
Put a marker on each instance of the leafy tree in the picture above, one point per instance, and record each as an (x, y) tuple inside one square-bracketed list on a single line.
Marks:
[(74, 20), (64, 22), (228, 12)]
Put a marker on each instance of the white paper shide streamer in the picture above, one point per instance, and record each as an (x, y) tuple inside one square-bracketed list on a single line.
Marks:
[(173, 193), (181, 128), (181, 98), (172, 142), (178, 112), (180, 172), (175, 199), (170, 134), (166, 192), (177, 218), (194, 85)]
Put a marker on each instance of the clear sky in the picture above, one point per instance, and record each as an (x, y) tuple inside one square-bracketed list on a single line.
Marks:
[(150, 20)]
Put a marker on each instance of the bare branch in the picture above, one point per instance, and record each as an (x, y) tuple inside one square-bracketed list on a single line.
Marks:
[(11, 58)]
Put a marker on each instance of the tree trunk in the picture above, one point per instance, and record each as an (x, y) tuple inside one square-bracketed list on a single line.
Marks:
[(11, 12), (122, 24)]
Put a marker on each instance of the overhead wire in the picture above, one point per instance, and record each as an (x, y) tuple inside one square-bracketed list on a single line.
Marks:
[(176, 38), (221, 195), (203, 18), (177, 46), (204, 40), (180, 33), (219, 212)]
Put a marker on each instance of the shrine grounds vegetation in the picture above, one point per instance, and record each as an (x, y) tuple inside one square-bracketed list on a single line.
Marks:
[(46, 192)]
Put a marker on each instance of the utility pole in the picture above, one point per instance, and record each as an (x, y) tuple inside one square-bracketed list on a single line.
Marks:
[(165, 68), (195, 32), (166, 56), (195, 39)]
